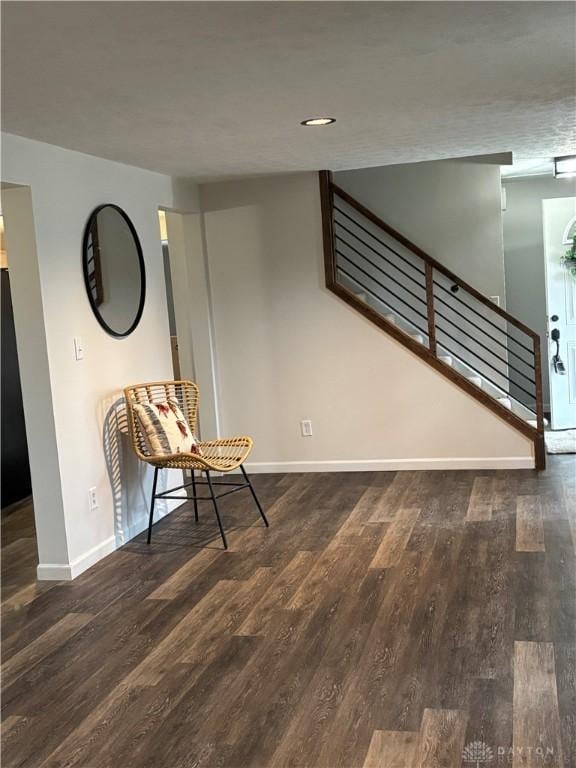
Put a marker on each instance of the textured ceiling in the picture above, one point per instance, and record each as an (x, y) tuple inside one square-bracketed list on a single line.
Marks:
[(214, 90)]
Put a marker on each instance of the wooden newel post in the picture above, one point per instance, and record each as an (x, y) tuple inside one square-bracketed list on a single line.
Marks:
[(539, 444), (327, 205)]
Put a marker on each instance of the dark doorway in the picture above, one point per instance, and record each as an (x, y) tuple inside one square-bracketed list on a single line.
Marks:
[(16, 483)]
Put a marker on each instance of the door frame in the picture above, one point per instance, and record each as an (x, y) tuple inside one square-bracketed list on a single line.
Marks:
[(550, 347)]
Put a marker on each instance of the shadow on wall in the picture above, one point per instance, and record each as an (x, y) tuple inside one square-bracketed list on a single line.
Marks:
[(130, 479)]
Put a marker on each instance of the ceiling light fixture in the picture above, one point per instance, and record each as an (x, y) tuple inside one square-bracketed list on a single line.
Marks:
[(319, 121), (565, 167)]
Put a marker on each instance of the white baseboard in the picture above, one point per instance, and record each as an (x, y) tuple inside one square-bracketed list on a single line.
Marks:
[(69, 571), (392, 465), (53, 572)]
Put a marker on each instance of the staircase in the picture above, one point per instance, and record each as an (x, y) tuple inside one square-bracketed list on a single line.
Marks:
[(462, 334)]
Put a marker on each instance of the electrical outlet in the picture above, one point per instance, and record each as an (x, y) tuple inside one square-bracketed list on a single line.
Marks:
[(306, 428), (92, 499)]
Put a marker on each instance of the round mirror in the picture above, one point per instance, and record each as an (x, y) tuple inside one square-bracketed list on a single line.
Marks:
[(114, 270)]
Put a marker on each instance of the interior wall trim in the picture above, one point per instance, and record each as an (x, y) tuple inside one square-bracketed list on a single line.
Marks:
[(392, 465), (69, 571)]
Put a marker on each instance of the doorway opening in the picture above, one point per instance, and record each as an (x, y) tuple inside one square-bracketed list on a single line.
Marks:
[(18, 530), (169, 295), (559, 228), (537, 209)]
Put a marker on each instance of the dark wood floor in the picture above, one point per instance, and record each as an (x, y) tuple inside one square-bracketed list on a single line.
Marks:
[(384, 620), (19, 558)]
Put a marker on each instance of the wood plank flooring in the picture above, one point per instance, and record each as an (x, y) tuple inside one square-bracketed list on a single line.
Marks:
[(409, 620)]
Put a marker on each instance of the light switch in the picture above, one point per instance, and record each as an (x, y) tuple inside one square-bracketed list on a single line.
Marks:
[(78, 348)]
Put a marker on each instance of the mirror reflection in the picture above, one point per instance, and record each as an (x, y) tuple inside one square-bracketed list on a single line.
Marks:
[(114, 270)]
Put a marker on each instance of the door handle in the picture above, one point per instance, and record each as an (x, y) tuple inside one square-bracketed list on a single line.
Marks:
[(557, 363)]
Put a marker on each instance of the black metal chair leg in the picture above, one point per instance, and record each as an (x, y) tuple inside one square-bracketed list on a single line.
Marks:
[(195, 499), (216, 509), (253, 492), (152, 500)]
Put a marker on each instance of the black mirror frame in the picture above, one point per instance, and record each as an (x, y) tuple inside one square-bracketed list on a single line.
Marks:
[(132, 229)]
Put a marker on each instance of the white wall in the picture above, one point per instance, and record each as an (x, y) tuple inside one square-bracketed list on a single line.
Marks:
[(287, 350), (85, 446), (524, 253), (450, 208), (35, 375)]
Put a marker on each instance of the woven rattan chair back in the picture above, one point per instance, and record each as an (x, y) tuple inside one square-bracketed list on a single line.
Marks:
[(185, 392)]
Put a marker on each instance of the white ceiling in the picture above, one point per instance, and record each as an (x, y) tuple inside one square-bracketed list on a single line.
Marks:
[(215, 90)]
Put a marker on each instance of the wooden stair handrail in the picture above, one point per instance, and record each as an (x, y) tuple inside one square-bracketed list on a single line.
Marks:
[(327, 192), (353, 203)]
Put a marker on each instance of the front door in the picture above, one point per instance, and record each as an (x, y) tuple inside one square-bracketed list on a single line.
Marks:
[(559, 218)]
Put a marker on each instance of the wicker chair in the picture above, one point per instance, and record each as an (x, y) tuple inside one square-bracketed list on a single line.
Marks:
[(223, 455)]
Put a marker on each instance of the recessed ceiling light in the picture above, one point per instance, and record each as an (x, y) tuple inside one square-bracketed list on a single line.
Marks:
[(318, 121)]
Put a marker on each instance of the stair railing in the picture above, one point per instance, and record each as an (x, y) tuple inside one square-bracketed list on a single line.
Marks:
[(387, 278)]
